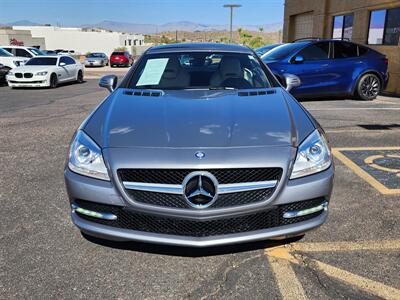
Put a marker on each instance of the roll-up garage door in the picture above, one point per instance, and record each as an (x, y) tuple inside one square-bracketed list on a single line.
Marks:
[(303, 26)]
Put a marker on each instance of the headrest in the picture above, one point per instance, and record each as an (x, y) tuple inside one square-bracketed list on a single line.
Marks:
[(172, 69), (230, 67)]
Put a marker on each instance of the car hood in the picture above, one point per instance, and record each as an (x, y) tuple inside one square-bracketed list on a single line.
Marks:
[(32, 68), (194, 119)]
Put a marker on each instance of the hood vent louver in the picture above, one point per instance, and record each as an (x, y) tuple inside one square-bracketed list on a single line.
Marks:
[(256, 93), (143, 93)]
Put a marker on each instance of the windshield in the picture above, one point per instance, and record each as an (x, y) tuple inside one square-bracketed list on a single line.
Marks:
[(199, 70), (4, 53), (37, 51), (42, 61), (95, 55), (262, 50), (282, 51)]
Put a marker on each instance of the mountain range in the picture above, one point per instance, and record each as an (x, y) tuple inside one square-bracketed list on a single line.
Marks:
[(171, 26)]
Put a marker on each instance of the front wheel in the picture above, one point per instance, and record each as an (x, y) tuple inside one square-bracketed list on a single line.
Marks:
[(79, 78), (368, 87), (53, 81)]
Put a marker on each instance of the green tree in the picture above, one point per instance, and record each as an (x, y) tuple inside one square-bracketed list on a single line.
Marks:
[(120, 49)]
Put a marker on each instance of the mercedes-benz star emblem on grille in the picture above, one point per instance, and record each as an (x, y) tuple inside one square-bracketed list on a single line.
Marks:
[(200, 189), (199, 154)]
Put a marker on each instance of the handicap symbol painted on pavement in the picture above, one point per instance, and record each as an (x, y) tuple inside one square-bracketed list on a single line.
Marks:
[(379, 166)]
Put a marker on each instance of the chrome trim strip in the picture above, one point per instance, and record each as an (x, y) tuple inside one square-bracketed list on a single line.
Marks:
[(92, 213), (246, 186), (307, 211), (154, 187), (178, 189)]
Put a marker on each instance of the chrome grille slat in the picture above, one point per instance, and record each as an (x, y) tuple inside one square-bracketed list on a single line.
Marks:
[(178, 189)]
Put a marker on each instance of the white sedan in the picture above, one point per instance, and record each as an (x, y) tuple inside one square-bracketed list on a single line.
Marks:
[(46, 71)]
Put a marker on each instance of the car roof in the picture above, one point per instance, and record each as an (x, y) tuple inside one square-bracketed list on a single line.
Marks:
[(182, 47), (13, 46)]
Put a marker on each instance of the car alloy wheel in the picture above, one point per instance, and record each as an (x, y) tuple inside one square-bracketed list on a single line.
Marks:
[(369, 87)]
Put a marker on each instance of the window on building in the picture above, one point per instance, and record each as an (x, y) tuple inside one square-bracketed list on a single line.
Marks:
[(130, 42), (342, 27), (384, 27)]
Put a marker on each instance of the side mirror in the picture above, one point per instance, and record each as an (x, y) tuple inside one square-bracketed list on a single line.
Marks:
[(109, 82), (62, 64), (291, 81), (298, 59)]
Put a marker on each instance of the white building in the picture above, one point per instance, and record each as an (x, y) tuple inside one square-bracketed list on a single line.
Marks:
[(83, 40)]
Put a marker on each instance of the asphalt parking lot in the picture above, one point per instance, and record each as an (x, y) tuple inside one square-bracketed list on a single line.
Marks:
[(354, 255)]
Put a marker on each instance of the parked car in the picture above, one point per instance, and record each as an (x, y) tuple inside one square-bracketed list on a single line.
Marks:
[(121, 59), (21, 51), (262, 50), (3, 72), (50, 52), (331, 68), (46, 71), (96, 60), (10, 61), (183, 153)]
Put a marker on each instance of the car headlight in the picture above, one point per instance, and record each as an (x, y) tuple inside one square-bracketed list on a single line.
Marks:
[(41, 73), (10, 73), (313, 156), (85, 157)]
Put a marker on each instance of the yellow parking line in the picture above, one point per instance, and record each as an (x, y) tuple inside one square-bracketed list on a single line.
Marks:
[(347, 246), (360, 172), (374, 287), (288, 284)]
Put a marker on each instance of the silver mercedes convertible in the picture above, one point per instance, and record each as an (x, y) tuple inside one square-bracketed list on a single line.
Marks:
[(199, 145)]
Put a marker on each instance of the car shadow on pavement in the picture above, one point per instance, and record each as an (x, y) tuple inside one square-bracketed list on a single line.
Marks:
[(60, 85), (328, 98), (189, 251)]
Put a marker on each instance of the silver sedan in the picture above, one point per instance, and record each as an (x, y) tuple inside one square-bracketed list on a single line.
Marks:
[(96, 60)]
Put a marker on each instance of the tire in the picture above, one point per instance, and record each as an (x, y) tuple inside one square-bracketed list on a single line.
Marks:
[(368, 87), (53, 81), (79, 77)]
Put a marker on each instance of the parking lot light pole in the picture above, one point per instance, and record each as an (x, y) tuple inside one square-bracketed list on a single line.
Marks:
[(231, 6)]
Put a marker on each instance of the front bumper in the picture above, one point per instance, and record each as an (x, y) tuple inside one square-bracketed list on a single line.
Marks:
[(302, 189), (119, 234), (35, 81), (96, 63)]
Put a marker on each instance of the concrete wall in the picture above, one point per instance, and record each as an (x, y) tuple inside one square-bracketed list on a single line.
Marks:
[(325, 10), (79, 40), (6, 34)]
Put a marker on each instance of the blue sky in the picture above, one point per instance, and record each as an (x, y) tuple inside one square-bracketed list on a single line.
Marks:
[(76, 12)]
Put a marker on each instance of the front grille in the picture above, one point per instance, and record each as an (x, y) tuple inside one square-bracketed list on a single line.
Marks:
[(177, 201), (128, 219), (176, 176), (28, 75), (18, 75)]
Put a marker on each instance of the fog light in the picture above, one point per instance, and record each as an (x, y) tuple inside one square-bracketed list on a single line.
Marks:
[(304, 212), (94, 214)]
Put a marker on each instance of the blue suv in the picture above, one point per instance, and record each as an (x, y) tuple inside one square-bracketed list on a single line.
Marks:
[(330, 68)]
